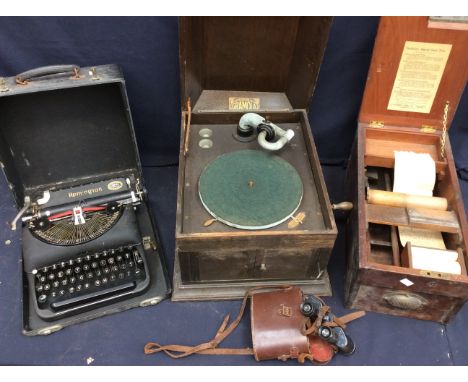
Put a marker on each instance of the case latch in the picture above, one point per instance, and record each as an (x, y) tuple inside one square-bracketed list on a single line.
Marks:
[(427, 129)]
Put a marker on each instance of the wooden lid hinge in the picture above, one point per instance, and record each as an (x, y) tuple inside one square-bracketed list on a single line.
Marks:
[(377, 124)]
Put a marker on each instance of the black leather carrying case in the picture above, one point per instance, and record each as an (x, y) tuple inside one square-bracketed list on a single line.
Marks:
[(60, 127)]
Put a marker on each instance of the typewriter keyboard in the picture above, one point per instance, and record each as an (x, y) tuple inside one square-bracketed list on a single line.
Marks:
[(89, 279)]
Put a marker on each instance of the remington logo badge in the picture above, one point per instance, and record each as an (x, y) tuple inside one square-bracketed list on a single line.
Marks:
[(89, 191), (244, 103), (115, 185), (285, 311)]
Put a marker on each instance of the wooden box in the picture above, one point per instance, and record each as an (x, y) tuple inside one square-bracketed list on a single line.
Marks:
[(379, 277), (230, 66)]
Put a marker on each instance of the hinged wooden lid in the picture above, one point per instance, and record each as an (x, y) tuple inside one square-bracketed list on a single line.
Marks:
[(256, 63), (418, 65)]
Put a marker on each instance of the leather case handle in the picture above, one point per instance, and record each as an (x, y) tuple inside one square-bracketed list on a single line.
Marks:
[(45, 72)]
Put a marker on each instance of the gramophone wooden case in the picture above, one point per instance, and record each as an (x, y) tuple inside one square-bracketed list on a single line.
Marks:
[(417, 75), (230, 66)]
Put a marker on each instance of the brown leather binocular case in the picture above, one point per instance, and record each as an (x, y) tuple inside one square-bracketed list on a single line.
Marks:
[(280, 330)]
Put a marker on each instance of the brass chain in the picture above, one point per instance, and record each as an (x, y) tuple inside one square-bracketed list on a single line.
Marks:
[(444, 130)]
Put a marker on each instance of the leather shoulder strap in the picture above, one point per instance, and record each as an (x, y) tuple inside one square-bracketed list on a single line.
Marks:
[(210, 347)]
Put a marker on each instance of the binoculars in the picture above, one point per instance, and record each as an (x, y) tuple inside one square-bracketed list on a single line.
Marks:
[(334, 335)]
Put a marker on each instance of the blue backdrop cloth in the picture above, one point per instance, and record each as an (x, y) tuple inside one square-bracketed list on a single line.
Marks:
[(147, 50)]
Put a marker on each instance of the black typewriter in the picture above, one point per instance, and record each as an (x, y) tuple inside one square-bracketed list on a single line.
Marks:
[(68, 150), (82, 247)]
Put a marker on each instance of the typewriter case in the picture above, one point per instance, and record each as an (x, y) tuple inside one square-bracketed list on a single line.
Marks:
[(67, 127), (230, 66), (378, 276)]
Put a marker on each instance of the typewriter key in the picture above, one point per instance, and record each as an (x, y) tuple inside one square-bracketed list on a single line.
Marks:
[(56, 284), (42, 298), (46, 287)]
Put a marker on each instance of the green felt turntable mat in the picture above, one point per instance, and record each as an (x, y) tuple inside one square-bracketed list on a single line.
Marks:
[(250, 189)]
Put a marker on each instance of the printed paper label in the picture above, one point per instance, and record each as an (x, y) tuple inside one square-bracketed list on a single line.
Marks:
[(418, 77)]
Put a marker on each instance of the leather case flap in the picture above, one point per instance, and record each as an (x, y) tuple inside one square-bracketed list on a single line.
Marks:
[(276, 322)]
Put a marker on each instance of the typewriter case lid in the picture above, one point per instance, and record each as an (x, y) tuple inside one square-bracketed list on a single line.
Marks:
[(269, 63), (62, 130), (393, 33)]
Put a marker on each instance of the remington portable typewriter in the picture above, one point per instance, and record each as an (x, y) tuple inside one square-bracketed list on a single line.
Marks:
[(69, 154)]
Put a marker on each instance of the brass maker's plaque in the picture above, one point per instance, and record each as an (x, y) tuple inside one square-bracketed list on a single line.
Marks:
[(418, 77), (244, 103)]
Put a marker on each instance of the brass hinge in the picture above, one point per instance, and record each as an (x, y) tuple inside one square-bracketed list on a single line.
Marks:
[(3, 86), (377, 124), (427, 129)]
